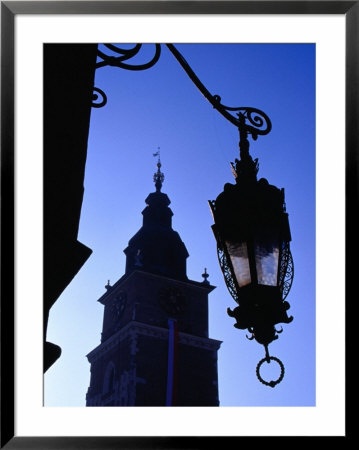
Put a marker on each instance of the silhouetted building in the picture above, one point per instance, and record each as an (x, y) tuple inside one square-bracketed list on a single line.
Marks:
[(69, 73), (155, 349)]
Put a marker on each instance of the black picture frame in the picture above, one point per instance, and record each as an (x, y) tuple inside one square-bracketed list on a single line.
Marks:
[(9, 10)]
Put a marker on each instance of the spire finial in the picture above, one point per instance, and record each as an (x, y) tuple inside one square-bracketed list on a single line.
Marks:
[(158, 177), (205, 276)]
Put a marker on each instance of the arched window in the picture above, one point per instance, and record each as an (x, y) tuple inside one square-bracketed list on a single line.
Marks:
[(109, 378)]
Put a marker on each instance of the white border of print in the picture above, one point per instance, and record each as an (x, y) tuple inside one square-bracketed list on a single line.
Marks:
[(32, 419)]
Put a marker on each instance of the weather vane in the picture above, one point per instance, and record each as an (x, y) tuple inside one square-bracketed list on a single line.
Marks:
[(157, 153), (158, 176)]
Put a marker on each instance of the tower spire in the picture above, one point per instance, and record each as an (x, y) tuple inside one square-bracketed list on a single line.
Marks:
[(158, 176), (156, 246)]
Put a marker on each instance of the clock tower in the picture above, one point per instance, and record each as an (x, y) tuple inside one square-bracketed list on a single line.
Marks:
[(155, 349)]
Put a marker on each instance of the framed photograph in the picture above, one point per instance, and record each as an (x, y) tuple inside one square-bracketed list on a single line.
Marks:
[(117, 116)]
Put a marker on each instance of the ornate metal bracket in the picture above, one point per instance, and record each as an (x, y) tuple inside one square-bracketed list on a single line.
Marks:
[(255, 122)]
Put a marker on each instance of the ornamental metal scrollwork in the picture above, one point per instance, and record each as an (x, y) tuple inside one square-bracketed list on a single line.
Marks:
[(223, 262), (95, 97), (256, 122), (286, 270), (125, 54)]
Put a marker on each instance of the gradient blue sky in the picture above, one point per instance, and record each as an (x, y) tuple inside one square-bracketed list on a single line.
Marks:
[(161, 107)]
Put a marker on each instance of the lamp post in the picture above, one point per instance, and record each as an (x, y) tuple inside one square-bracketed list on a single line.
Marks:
[(251, 223), (252, 233)]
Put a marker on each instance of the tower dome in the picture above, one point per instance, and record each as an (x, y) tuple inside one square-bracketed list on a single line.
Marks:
[(156, 247)]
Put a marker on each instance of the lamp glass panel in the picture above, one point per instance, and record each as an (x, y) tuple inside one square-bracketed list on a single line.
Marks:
[(238, 253), (267, 259)]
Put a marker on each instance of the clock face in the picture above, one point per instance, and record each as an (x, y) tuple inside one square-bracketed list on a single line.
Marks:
[(118, 305), (172, 300)]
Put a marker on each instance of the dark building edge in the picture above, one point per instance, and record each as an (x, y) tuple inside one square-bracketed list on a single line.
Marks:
[(69, 71)]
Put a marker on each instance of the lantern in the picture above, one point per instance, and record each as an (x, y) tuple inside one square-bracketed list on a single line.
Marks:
[(253, 244)]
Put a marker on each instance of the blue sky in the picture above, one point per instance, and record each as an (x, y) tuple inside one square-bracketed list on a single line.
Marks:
[(161, 107)]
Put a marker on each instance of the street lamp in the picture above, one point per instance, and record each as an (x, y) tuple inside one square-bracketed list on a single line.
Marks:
[(252, 233), (251, 224)]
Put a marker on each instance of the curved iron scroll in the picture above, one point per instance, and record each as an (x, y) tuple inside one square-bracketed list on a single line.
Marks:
[(258, 123), (255, 122), (125, 54), (96, 101)]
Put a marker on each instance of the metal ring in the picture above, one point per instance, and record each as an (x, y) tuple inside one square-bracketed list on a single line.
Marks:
[(270, 383)]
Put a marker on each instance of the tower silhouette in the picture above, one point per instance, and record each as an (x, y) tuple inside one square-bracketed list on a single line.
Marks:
[(155, 349)]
